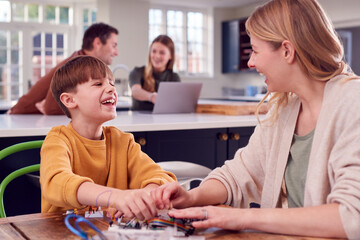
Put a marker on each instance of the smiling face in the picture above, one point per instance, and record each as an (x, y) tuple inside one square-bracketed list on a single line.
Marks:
[(96, 100), (106, 52), (270, 63), (159, 56)]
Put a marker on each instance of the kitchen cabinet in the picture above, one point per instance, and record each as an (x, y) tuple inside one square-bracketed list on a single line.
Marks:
[(202, 146), (237, 138), (350, 38), (208, 147), (236, 47)]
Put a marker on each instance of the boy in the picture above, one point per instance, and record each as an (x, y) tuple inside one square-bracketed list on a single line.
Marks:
[(85, 163)]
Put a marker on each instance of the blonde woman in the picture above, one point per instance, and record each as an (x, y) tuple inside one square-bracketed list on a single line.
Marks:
[(301, 167), (144, 81)]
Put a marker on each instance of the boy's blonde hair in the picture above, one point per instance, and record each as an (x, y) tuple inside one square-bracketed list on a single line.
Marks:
[(318, 49), (78, 70)]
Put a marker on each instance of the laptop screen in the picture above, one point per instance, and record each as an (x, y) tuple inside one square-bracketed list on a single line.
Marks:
[(177, 97)]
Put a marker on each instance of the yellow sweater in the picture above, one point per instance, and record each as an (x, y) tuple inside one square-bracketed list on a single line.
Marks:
[(68, 159)]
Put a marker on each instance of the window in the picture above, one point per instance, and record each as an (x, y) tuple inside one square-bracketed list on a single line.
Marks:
[(89, 17), (11, 64), (156, 23), (34, 36), (48, 50), (4, 11), (22, 12), (189, 31)]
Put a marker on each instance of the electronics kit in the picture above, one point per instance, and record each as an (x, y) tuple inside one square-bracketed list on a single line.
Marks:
[(161, 227)]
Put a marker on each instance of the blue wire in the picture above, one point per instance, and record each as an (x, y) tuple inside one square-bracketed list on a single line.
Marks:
[(77, 229), (81, 234)]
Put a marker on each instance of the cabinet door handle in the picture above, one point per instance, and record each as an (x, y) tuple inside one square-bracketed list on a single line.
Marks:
[(223, 136), (235, 136), (141, 141)]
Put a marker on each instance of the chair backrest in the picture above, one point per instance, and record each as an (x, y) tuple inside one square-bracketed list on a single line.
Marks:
[(32, 168), (185, 172)]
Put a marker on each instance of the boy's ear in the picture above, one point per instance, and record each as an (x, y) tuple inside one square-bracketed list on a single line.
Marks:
[(288, 51), (68, 100)]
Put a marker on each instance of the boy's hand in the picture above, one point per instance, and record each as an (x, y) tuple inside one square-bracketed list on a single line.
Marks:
[(112, 213), (171, 195), (134, 203)]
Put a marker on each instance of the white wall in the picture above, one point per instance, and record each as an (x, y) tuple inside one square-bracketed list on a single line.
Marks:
[(344, 13), (130, 17)]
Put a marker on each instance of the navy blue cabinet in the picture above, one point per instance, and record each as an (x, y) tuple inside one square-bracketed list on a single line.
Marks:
[(238, 138), (236, 47), (202, 146), (208, 147)]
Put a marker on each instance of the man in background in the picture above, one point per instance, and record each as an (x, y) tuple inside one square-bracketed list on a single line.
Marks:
[(100, 41)]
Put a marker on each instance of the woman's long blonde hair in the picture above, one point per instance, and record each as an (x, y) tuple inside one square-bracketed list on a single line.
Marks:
[(149, 83), (318, 49)]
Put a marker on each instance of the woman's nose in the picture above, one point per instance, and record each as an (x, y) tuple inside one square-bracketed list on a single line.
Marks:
[(251, 61), (157, 55)]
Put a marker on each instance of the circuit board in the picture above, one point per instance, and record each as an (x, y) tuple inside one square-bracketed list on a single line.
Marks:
[(160, 227)]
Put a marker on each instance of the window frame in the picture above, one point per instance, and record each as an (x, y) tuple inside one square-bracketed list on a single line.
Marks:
[(43, 49), (27, 28), (8, 65)]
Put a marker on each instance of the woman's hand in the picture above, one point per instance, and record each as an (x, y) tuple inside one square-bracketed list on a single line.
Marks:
[(134, 203), (171, 195), (210, 216), (152, 97), (143, 95)]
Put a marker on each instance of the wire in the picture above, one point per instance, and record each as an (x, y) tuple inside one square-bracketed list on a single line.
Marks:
[(158, 222), (76, 229)]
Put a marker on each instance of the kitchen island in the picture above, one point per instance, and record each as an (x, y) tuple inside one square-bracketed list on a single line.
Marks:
[(183, 137), (206, 139), (162, 136)]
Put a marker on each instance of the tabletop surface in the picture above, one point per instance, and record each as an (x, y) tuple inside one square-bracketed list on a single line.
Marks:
[(128, 121), (51, 226)]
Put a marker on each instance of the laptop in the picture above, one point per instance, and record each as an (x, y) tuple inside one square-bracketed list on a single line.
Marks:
[(177, 97)]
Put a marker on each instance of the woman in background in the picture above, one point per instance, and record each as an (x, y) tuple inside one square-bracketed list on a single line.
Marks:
[(144, 81), (302, 164)]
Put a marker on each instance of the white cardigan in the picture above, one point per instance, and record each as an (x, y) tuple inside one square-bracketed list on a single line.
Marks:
[(257, 171)]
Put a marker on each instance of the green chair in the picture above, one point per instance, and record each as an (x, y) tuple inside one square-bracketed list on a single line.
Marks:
[(25, 170)]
